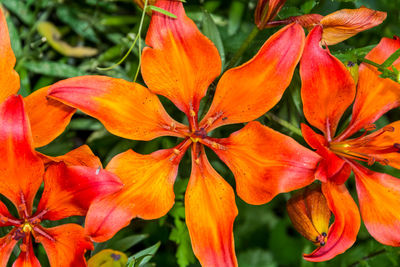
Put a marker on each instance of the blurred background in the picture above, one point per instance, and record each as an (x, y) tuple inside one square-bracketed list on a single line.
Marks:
[(55, 39)]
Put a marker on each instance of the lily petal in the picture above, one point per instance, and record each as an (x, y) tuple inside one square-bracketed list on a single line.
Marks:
[(7, 244), (210, 212), (81, 156), (375, 95), (343, 232), (48, 117), (27, 256), (327, 88), (20, 168), (69, 190), (9, 78), (246, 92), (181, 62), (67, 245), (345, 23), (266, 163), (148, 192), (126, 109), (379, 198)]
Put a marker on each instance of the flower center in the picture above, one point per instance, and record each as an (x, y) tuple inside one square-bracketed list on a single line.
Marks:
[(367, 148)]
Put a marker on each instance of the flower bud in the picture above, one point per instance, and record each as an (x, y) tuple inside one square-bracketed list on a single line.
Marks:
[(309, 212), (266, 11)]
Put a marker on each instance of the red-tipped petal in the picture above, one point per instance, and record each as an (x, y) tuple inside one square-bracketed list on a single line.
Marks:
[(210, 212), (375, 96), (81, 156), (20, 168), (379, 198), (248, 91), (327, 88), (343, 232), (9, 78), (69, 190), (48, 117), (7, 244), (345, 23), (27, 256), (67, 245), (148, 192), (266, 163), (126, 109), (181, 62)]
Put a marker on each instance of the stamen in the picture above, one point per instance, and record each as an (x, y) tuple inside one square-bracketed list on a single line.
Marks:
[(23, 247), (388, 128), (43, 233), (397, 146), (371, 161), (370, 127)]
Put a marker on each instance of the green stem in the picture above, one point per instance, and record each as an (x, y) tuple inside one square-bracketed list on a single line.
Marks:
[(243, 48), (140, 40), (369, 256), (284, 123)]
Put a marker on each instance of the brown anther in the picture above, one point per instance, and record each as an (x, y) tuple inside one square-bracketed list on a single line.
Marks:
[(18, 234), (370, 127), (397, 146), (321, 239), (3, 219), (384, 162), (201, 133), (371, 161), (21, 207), (388, 128)]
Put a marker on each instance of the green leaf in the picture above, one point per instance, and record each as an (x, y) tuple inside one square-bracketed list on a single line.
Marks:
[(126, 243), (390, 60), (14, 37), (143, 257), (210, 30), (162, 11), (21, 10), (236, 12), (55, 69)]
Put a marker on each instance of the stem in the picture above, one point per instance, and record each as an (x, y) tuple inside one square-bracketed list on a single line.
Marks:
[(369, 256), (244, 47), (284, 123)]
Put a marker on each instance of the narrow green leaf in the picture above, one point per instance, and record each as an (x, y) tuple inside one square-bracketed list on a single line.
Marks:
[(236, 12), (210, 30), (390, 60), (21, 10), (55, 69), (162, 11)]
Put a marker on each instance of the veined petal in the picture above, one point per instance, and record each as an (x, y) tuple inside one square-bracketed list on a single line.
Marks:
[(210, 212), (27, 256), (181, 62), (327, 88), (47, 116), (379, 198), (307, 21), (7, 244), (246, 92), (67, 245), (147, 193), (20, 168), (81, 156), (9, 78), (69, 190), (4, 216), (375, 96), (343, 232), (126, 109), (345, 23), (266, 163)]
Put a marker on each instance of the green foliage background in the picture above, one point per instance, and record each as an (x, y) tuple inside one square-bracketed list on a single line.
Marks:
[(263, 234)]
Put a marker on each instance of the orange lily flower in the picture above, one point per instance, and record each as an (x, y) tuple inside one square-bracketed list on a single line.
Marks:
[(68, 191), (328, 89), (180, 63), (340, 25), (48, 118)]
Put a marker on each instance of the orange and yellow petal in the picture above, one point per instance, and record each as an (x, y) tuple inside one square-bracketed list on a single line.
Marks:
[(9, 78), (266, 163), (375, 95), (307, 21), (81, 156), (327, 88), (345, 23), (343, 232), (379, 198), (147, 193), (69, 190), (210, 212), (246, 92), (27, 256), (180, 62), (20, 168), (67, 245), (7, 244), (47, 116), (126, 109)]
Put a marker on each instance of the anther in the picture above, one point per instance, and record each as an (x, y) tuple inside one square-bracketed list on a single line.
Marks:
[(23, 247), (397, 146), (384, 162), (388, 128), (371, 161), (3, 219), (370, 127)]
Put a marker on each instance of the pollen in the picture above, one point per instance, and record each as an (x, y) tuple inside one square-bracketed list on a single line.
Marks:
[(27, 227)]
